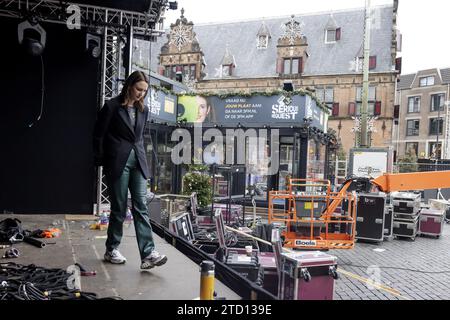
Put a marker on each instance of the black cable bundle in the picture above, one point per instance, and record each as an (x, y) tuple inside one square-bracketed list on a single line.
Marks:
[(18, 282), (260, 280), (231, 239)]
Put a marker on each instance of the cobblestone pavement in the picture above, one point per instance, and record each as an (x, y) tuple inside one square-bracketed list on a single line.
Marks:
[(411, 270)]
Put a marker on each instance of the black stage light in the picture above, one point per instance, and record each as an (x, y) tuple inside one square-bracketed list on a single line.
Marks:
[(32, 37), (173, 5), (93, 43)]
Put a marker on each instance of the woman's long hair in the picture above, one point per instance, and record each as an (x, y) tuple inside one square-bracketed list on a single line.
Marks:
[(134, 78), (212, 118)]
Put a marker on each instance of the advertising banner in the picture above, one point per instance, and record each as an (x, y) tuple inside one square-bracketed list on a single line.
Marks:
[(163, 107), (254, 110)]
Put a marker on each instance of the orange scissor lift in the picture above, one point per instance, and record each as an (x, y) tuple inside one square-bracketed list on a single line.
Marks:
[(314, 216), (330, 209)]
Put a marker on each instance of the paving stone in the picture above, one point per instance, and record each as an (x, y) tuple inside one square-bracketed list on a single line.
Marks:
[(425, 254)]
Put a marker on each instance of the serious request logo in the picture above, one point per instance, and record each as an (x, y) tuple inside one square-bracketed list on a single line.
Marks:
[(283, 110)]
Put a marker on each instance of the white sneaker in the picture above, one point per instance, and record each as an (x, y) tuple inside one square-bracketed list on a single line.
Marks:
[(155, 259), (115, 257)]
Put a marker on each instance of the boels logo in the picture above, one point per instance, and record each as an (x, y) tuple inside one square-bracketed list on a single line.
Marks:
[(305, 243)]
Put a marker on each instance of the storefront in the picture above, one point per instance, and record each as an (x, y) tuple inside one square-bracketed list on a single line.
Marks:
[(162, 122), (270, 138)]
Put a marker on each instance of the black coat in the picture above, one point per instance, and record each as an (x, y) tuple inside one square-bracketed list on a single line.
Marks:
[(114, 138)]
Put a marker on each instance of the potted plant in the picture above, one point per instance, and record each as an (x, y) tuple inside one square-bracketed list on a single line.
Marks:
[(198, 180)]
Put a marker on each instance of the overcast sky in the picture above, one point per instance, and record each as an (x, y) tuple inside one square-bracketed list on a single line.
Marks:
[(424, 24)]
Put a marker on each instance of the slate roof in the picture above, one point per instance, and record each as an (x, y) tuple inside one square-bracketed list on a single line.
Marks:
[(445, 73), (324, 59), (263, 30), (406, 81)]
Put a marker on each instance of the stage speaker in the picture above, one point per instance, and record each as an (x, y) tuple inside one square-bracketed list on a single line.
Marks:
[(32, 37)]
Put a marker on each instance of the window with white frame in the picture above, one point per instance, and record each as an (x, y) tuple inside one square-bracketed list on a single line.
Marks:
[(332, 35), (372, 99), (293, 66), (435, 150), (436, 125), (412, 149), (372, 93), (263, 42), (359, 64), (413, 104), (412, 128), (326, 95), (227, 70), (437, 102), (427, 81)]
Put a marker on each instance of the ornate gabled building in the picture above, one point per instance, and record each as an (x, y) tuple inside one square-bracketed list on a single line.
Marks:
[(321, 52), (181, 54)]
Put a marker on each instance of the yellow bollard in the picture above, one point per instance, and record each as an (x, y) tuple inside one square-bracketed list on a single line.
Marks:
[(207, 280)]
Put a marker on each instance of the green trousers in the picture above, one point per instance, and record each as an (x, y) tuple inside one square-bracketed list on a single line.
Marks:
[(133, 180)]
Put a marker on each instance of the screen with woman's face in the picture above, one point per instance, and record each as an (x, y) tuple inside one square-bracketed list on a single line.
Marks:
[(203, 110), (193, 109)]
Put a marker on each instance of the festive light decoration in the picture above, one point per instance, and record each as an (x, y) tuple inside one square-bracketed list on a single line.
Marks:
[(189, 82), (292, 30), (180, 35), (370, 124), (286, 94)]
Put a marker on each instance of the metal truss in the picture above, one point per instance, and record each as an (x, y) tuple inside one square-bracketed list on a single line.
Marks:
[(112, 73), (55, 11), (113, 24)]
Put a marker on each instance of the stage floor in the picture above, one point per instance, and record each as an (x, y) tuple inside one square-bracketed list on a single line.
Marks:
[(179, 279)]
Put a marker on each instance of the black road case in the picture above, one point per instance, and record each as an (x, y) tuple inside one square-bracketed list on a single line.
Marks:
[(370, 217), (406, 203), (389, 222), (405, 228), (247, 266)]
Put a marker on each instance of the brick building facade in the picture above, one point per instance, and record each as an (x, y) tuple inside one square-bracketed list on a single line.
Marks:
[(422, 124)]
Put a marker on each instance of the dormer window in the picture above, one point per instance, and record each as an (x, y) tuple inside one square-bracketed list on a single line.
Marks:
[(359, 63), (262, 37), (263, 42), (227, 70), (332, 31), (333, 35), (427, 81), (228, 64)]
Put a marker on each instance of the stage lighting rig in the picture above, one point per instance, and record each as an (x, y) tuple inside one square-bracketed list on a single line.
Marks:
[(93, 45), (32, 36), (173, 5)]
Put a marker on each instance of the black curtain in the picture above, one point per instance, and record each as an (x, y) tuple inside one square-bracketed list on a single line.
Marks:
[(46, 166)]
